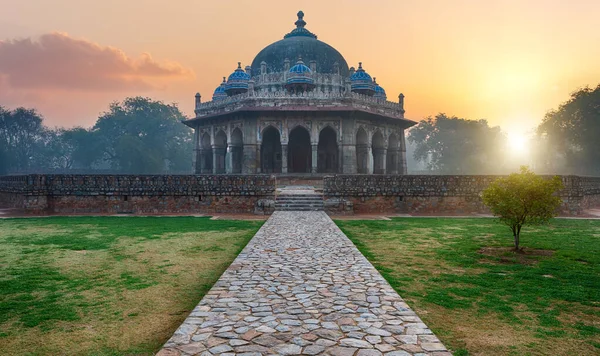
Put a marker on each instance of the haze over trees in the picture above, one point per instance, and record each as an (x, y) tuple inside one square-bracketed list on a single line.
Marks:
[(139, 135), (571, 134), (451, 145)]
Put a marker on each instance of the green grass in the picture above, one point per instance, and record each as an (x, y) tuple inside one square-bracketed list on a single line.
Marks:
[(482, 298), (107, 285)]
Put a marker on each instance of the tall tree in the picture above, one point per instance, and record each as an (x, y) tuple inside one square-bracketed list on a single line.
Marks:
[(141, 135), (573, 131), (21, 136), (452, 145)]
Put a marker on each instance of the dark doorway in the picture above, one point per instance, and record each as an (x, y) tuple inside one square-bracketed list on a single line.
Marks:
[(270, 151), (299, 151), (327, 151)]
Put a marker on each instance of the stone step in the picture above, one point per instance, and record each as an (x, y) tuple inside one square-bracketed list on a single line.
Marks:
[(299, 199), (277, 206)]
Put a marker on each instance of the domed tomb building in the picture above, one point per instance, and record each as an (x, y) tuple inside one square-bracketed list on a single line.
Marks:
[(298, 108)]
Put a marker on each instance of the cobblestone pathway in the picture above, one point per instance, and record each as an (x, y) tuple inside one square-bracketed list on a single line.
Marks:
[(301, 287)]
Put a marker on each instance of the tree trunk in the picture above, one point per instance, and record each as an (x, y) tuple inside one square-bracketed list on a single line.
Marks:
[(516, 236)]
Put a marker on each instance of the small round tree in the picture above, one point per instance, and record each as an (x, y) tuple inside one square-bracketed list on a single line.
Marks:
[(523, 198)]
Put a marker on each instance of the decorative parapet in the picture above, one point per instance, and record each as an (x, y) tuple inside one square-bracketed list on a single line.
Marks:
[(316, 99)]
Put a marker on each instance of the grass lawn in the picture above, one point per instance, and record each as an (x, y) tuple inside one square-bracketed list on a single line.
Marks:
[(479, 297), (107, 285)]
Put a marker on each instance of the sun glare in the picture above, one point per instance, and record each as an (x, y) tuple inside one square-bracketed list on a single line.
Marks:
[(518, 143)]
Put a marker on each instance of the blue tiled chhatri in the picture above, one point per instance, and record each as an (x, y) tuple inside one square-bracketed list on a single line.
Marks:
[(237, 81), (361, 81), (219, 93), (379, 91), (300, 74)]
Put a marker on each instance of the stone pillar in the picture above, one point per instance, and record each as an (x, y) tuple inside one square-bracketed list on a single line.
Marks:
[(402, 166), (229, 159), (315, 155), (284, 158), (369, 160), (199, 161), (250, 159), (383, 158), (349, 160), (215, 159)]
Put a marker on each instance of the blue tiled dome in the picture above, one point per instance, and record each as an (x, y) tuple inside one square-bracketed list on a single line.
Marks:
[(237, 81), (379, 91), (300, 74), (220, 93), (362, 82)]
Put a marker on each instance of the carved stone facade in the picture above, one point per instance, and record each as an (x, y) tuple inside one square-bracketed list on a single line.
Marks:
[(277, 117)]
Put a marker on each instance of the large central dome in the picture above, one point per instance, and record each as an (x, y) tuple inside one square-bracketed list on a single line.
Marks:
[(300, 43)]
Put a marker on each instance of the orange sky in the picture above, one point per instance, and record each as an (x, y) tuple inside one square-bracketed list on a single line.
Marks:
[(506, 61)]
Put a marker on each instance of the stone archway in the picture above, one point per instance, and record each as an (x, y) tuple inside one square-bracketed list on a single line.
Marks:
[(391, 165), (236, 150), (327, 151), (378, 153), (299, 151), (362, 151), (206, 155), (270, 151), (219, 152)]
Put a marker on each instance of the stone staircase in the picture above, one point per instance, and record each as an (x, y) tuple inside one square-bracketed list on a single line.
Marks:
[(299, 198)]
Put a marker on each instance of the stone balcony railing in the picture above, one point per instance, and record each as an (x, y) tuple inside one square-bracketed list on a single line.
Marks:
[(317, 99)]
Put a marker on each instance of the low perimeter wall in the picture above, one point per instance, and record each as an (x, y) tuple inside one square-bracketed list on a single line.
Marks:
[(208, 194), (428, 194), (133, 194)]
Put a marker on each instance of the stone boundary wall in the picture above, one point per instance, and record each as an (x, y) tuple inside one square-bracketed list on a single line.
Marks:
[(436, 194), (209, 194), (138, 194)]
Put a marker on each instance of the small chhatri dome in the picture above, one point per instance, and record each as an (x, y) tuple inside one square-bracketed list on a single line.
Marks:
[(220, 93), (237, 82), (379, 91), (299, 77), (361, 82)]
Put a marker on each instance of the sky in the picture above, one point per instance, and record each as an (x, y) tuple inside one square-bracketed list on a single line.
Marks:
[(507, 61)]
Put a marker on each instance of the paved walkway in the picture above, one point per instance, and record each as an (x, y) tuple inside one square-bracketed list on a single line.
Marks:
[(301, 287)]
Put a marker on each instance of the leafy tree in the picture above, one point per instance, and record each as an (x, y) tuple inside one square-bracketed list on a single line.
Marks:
[(573, 130), (523, 198), (457, 146), (144, 136), (21, 136)]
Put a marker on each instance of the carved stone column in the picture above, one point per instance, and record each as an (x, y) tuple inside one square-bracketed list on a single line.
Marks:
[(383, 161), (369, 160), (199, 161), (229, 159), (284, 158), (315, 155), (215, 162)]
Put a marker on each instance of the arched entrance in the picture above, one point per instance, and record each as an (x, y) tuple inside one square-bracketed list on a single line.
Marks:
[(362, 151), (299, 151), (236, 151), (327, 161), (219, 151), (270, 151), (378, 153), (206, 155)]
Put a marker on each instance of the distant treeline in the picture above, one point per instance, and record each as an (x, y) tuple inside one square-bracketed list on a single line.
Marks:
[(138, 135), (566, 142), (144, 136)]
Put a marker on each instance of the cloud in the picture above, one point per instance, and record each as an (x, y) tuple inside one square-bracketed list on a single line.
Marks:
[(57, 61)]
